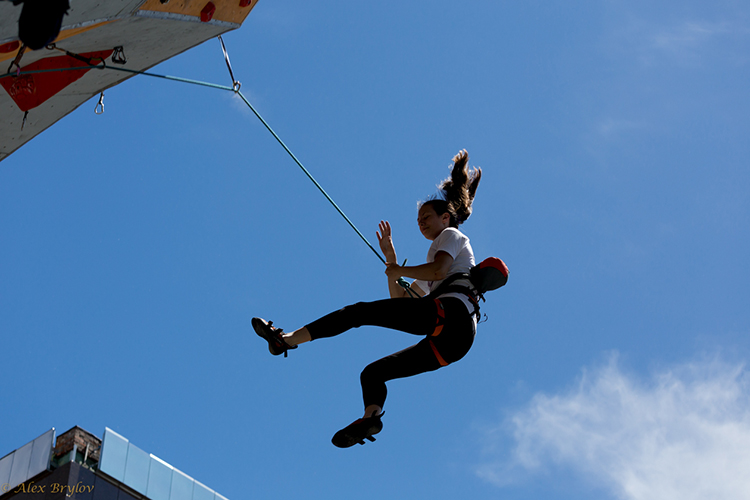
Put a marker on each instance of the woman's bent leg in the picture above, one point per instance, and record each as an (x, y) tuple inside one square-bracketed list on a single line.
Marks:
[(414, 360), (438, 349)]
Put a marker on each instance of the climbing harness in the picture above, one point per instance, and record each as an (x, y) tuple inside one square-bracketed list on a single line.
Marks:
[(488, 275)]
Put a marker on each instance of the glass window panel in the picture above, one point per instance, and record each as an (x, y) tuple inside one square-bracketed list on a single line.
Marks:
[(202, 492), (159, 480), (6, 463), (41, 452), (136, 469), (182, 486), (114, 454), (81, 480), (104, 490), (124, 495), (20, 471)]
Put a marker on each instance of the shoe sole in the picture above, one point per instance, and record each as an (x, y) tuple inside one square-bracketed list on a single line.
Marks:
[(343, 439), (260, 329)]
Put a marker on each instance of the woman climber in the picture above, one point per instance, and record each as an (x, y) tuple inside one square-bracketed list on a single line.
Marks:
[(445, 316)]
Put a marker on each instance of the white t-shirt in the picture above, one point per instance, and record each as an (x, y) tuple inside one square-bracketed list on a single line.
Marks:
[(456, 244)]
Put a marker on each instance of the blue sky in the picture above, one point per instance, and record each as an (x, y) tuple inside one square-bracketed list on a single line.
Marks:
[(137, 245)]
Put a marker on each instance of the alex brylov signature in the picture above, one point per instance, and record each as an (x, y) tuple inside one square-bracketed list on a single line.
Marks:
[(48, 488)]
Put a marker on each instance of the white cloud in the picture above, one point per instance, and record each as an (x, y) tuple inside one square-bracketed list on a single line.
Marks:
[(683, 435), (611, 127), (687, 34), (687, 43)]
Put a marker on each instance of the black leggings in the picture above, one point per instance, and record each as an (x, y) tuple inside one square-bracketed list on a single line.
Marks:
[(445, 323)]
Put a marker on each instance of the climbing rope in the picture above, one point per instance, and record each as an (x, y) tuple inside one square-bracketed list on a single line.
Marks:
[(234, 88), (401, 281)]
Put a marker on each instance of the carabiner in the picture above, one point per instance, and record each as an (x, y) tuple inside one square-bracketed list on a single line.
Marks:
[(99, 108), (17, 61), (118, 56)]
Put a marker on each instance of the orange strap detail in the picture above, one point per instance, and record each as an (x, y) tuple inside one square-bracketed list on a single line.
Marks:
[(438, 328), (437, 355), (440, 321)]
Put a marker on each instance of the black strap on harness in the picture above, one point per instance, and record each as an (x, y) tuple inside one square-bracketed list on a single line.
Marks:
[(447, 286)]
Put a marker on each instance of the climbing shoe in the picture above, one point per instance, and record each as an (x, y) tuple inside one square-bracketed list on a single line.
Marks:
[(358, 431), (272, 335)]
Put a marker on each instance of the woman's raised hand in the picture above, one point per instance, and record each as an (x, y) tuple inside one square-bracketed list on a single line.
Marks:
[(386, 241)]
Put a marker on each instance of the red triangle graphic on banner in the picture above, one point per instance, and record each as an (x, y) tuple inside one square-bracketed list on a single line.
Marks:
[(30, 90)]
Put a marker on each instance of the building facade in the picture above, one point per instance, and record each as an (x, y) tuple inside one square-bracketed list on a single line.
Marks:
[(80, 465)]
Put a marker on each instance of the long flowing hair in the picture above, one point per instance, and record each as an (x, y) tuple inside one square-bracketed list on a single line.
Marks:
[(457, 191)]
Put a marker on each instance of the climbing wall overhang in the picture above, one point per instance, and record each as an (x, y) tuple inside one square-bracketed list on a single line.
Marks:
[(149, 32)]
